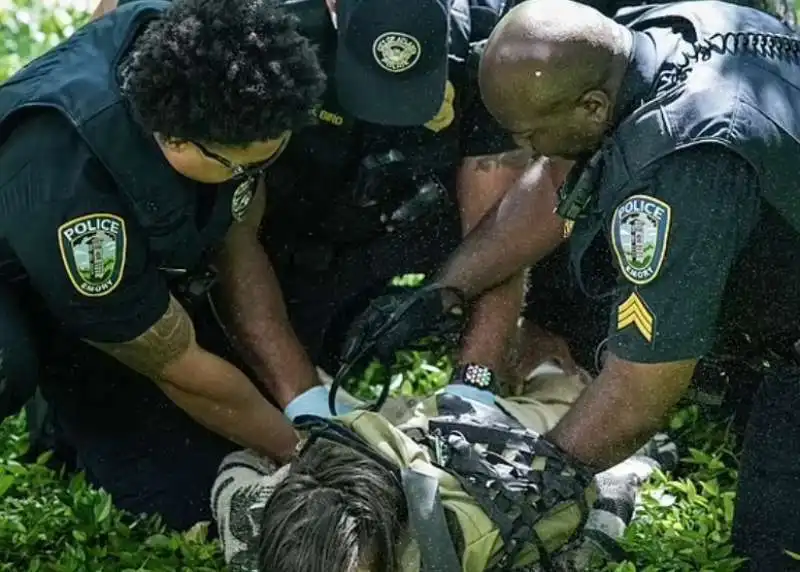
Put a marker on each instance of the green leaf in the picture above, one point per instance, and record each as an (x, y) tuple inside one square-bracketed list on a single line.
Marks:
[(198, 533), (158, 541), (103, 510), (792, 555), (5, 483)]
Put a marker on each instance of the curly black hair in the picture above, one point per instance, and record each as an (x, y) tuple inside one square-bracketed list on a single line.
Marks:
[(228, 72)]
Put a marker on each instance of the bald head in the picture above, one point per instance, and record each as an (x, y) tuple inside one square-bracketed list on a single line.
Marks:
[(548, 53)]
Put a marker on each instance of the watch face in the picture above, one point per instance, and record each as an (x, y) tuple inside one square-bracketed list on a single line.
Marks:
[(478, 376)]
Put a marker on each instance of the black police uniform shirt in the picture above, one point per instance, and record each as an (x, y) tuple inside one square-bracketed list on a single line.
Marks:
[(49, 180), (720, 260)]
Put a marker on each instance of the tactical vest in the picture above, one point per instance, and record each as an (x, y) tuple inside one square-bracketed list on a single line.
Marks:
[(80, 79), (473, 501), (718, 84), (350, 181)]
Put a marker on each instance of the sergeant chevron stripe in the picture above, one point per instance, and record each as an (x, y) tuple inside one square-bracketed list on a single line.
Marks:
[(634, 311)]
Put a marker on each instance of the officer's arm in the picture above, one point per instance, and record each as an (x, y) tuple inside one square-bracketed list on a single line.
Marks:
[(256, 313), (661, 325), (515, 234), (493, 164), (211, 390), (621, 409), (482, 181)]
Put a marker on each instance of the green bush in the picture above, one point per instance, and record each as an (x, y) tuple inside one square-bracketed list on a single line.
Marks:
[(28, 28), (51, 524), (685, 521)]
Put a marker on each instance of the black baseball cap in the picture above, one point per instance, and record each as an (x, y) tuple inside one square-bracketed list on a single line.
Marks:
[(391, 59)]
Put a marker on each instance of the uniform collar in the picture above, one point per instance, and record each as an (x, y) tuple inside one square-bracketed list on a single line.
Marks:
[(639, 77)]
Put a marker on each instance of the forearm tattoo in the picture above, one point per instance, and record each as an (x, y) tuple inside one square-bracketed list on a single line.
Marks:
[(518, 159), (162, 343)]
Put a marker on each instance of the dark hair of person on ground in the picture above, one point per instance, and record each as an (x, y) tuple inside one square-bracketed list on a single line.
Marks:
[(336, 511), (234, 76)]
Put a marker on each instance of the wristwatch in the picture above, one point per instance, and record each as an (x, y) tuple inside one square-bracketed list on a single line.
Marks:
[(476, 375)]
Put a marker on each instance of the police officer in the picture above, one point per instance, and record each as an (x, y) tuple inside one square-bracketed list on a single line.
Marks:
[(684, 125), (557, 315), (130, 155), (403, 160)]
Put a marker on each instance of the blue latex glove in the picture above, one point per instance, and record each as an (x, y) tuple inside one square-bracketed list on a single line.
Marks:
[(314, 402), (470, 392)]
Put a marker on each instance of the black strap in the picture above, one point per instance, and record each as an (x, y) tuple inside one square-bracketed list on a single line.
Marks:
[(427, 522)]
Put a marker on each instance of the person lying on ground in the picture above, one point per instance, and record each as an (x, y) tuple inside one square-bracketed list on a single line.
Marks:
[(365, 489)]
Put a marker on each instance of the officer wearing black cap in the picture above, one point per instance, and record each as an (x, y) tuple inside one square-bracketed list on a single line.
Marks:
[(128, 171), (404, 159)]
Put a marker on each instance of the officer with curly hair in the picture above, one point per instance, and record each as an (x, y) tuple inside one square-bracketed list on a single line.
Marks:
[(131, 160)]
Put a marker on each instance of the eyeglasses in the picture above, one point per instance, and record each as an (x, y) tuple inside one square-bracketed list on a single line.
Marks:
[(241, 172)]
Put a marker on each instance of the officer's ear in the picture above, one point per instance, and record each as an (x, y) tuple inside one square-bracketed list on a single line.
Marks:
[(171, 145), (182, 156), (597, 106)]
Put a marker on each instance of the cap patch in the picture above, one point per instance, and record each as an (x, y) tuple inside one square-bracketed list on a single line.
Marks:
[(396, 52)]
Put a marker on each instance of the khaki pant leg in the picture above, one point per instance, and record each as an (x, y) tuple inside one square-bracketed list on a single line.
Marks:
[(548, 396)]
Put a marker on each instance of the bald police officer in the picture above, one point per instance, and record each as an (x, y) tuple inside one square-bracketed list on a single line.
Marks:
[(131, 157), (684, 124)]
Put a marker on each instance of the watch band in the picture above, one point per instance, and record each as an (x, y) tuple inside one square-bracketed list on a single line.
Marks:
[(476, 375)]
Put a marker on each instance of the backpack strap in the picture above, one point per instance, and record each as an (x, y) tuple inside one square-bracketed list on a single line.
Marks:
[(427, 521)]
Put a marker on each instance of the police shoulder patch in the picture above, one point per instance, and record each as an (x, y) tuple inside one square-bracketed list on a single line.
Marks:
[(93, 249), (639, 234)]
